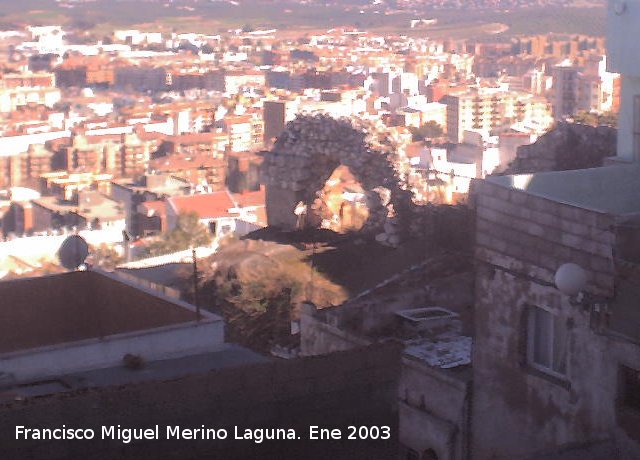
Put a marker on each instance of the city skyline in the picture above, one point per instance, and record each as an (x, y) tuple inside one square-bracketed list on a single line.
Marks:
[(353, 229)]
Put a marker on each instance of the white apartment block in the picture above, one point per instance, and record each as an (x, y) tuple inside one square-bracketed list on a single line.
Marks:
[(485, 109)]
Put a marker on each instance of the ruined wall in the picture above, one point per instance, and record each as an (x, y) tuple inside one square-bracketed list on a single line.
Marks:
[(520, 241), (356, 387), (311, 148), (567, 146), (280, 203), (317, 337), (434, 409)]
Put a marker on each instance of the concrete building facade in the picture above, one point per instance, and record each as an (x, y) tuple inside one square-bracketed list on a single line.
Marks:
[(485, 109), (556, 372)]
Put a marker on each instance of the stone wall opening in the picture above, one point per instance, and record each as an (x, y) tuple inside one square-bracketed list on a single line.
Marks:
[(306, 155), (340, 205)]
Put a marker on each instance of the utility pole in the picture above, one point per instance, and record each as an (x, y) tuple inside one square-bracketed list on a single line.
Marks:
[(195, 283), (311, 270)]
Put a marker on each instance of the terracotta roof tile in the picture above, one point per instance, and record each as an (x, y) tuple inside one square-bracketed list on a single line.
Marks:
[(205, 205), (256, 198)]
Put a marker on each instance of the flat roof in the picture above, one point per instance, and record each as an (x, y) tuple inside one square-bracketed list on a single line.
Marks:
[(98, 207), (230, 355), (610, 189), (380, 314), (170, 274), (69, 307)]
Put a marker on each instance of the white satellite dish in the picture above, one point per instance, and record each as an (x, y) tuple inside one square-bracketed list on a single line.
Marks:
[(571, 279)]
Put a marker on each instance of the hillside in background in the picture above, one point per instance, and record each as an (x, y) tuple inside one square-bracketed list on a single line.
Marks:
[(539, 16)]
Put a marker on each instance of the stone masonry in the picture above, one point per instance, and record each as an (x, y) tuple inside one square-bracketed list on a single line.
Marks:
[(307, 153)]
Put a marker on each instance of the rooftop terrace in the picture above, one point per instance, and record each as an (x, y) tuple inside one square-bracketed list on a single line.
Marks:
[(609, 189), (51, 310)]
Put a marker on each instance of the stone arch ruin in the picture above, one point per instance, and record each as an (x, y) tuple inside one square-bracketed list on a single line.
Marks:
[(308, 151)]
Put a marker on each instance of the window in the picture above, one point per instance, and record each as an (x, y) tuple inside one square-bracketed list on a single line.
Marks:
[(630, 388), (628, 407), (547, 341)]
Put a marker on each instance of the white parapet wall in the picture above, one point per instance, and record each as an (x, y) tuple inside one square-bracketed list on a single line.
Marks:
[(45, 247), (168, 342)]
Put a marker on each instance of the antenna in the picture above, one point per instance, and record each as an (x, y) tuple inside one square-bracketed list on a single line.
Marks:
[(73, 252), (195, 282)]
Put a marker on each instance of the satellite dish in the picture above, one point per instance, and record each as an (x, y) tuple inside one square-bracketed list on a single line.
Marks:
[(571, 279), (73, 251)]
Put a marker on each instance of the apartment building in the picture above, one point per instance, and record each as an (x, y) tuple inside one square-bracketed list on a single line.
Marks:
[(27, 89), (235, 80), (123, 155), (141, 78), (485, 109), (83, 71), (149, 188), (66, 185), (244, 131), (587, 88), (565, 90), (210, 144), (200, 169)]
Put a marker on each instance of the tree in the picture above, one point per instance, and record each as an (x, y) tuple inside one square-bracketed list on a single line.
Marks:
[(430, 129), (207, 49), (596, 119), (106, 257), (188, 232), (186, 45)]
